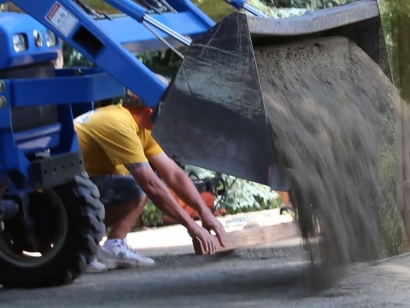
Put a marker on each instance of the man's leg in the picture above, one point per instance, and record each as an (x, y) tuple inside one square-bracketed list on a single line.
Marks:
[(122, 219), (124, 203)]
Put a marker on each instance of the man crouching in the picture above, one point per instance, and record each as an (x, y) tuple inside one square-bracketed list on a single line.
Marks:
[(118, 149)]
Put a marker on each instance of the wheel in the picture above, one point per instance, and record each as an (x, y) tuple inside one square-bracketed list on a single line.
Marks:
[(65, 227)]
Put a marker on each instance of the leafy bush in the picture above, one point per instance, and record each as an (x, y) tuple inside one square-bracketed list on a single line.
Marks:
[(391, 220), (243, 196), (152, 216)]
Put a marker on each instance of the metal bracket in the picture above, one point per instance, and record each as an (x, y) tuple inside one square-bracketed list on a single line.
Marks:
[(55, 170)]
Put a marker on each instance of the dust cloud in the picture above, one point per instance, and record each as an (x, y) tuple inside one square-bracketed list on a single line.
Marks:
[(325, 99)]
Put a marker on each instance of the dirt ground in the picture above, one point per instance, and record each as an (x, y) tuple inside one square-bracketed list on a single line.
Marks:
[(267, 276), (255, 278), (171, 240)]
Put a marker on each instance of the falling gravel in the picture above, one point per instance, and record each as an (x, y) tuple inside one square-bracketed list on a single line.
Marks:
[(325, 100)]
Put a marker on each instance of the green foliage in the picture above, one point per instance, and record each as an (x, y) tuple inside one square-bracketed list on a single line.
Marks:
[(243, 196), (164, 62), (101, 6), (391, 220), (308, 4), (152, 215), (246, 196), (396, 24), (73, 58)]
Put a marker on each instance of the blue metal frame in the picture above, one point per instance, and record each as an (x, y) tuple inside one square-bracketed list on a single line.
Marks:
[(137, 38), (108, 42), (113, 37), (66, 89), (76, 86)]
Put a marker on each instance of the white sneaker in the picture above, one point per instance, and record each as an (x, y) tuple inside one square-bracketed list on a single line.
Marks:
[(107, 258), (124, 256), (96, 267)]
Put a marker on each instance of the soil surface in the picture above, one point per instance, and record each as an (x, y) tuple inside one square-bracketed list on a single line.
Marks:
[(249, 278), (269, 276)]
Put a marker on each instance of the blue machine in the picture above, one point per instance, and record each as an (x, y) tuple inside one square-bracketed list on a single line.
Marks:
[(49, 206), (36, 99), (108, 41)]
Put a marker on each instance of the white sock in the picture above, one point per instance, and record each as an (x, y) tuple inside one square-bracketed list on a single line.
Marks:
[(112, 242)]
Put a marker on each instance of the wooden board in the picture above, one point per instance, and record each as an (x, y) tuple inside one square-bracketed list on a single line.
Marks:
[(255, 236)]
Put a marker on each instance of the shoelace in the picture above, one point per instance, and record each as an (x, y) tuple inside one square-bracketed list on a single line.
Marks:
[(130, 249)]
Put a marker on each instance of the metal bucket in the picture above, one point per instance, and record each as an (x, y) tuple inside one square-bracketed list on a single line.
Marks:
[(213, 114)]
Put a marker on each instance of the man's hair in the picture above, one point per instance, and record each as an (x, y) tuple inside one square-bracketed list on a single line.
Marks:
[(131, 99)]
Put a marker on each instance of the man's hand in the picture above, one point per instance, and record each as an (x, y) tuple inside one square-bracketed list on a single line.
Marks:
[(209, 222), (204, 236)]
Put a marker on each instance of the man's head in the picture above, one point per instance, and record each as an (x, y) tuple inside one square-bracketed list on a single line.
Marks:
[(140, 112)]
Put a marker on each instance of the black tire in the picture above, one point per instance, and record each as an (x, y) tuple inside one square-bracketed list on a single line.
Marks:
[(85, 228)]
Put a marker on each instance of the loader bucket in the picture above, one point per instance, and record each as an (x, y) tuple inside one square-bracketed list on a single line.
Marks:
[(213, 113)]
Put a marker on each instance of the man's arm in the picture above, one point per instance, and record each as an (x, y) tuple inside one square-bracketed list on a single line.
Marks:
[(163, 199), (123, 146), (179, 182), (158, 192), (185, 189)]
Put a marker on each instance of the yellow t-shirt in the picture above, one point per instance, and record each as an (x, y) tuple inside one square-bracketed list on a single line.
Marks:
[(109, 138)]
